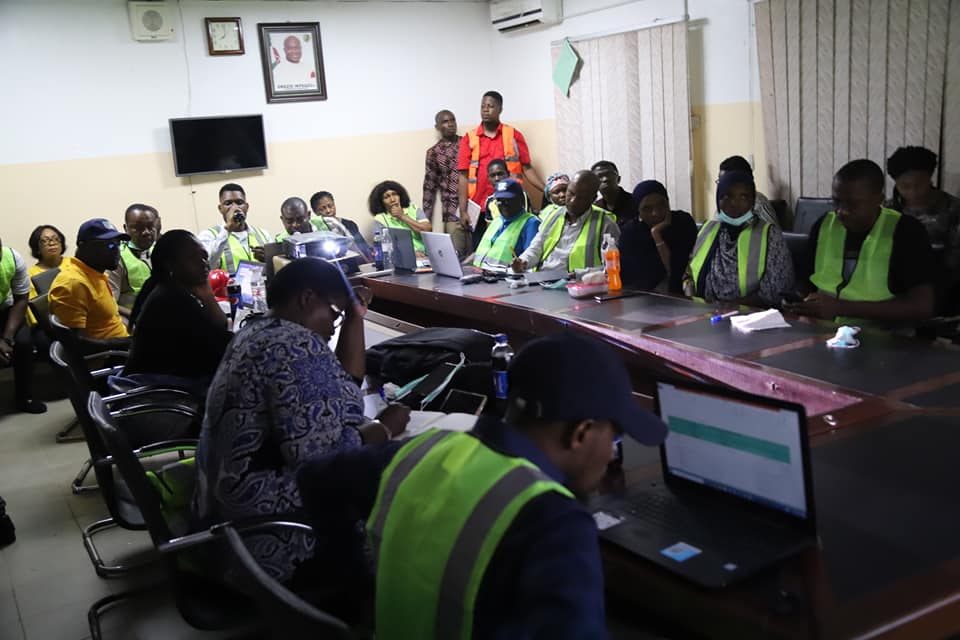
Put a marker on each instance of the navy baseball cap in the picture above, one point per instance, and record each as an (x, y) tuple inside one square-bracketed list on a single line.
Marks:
[(99, 229), (568, 377), (507, 189)]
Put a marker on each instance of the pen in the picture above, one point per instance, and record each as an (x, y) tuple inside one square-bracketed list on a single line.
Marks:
[(720, 316)]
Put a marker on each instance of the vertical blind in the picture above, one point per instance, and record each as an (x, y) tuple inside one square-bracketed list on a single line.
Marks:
[(630, 105), (847, 79)]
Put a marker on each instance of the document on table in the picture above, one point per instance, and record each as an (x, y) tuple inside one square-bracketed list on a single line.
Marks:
[(420, 421)]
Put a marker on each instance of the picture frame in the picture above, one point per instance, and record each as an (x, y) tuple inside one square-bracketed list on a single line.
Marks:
[(224, 36), (292, 60)]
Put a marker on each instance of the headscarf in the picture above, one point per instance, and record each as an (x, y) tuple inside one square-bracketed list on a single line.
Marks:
[(644, 189), (553, 178)]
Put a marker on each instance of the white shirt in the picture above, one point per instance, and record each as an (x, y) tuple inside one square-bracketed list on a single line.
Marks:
[(560, 256), (20, 283), (289, 76)]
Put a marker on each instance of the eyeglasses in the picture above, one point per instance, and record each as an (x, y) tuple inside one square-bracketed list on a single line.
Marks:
[(50, 241)]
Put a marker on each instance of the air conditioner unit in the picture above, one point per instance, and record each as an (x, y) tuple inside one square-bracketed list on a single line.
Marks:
[(150, 20), (512, 15)]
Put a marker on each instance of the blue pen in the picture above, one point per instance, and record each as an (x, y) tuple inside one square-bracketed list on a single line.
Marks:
[(717, 318)]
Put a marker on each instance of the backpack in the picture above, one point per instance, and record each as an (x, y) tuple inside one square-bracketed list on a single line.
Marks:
[(408, 357)]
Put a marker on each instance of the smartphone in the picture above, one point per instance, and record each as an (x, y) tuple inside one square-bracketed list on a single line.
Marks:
[(459, 401), (617, 295)]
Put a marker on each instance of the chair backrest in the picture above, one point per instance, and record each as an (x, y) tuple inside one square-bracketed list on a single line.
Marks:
[(797, 244), (808, 211), (288, 616), (44, 280), (40, 307), (780, 208)]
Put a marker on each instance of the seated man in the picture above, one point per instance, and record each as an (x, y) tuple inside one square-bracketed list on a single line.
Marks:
[(142, 223), (864, 261), (234, 240), (762, 209), (500, 505), (80, 295), (739, 257), (323, 205), (16, 342), (511, 233), (295, 218), (571, 237), (496, 171), (613, 197)]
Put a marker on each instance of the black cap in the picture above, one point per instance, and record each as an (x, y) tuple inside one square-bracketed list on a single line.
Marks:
[(507, 189), (99, 229), (567, 377)]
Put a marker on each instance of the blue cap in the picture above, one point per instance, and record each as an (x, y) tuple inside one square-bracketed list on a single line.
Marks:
[(99, 229), (567, 378), (507, 189)]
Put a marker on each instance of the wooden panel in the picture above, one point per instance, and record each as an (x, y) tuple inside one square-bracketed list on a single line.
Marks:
[(794, 90), (859, 57), (916, 71), (950, 156), (824, 162), (778, 31), (668, 107), (898, 27), (656, 67), (768, 100), (936, 61), (645, 103), (877, 96), (682, 194), (808, 98), (841, 94)]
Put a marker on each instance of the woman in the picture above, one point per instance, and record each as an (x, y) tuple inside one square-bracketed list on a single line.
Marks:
[(390, 206), (555, 194), (281, 398), (47, 246), (655, 246), (323, 206), (728, 261), (179, 331)]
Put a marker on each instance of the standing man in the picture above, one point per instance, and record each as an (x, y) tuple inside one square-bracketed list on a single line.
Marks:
[(441, 175), (234, 240), (142, 223), (491, 139), (16, 345), (613, 197)]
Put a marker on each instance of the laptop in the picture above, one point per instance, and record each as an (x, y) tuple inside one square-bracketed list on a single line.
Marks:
[(248, 272), (404, 255), (737, 493), (443, 256), (44, 280)]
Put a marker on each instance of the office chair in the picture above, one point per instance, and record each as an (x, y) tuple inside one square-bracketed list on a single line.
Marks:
[(808, 211)]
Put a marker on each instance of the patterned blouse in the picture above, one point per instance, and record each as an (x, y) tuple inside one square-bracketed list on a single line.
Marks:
[(722, 280), (279, 399)]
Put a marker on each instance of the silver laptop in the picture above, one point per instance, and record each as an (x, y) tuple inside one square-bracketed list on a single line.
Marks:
[(442, 254)]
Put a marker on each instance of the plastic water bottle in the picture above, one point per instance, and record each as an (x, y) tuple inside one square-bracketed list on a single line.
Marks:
[(500, 358), (386, 249), (378, 250), (233, 294), (259, 293), (611, 261)]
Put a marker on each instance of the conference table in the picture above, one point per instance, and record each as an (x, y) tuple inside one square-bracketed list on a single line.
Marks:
[(885, 446)]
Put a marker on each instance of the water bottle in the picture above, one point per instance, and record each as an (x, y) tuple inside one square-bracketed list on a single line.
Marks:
[(386, 250), (378, 250), (500, 358), (233, 294), (259, 292), (611, 261)]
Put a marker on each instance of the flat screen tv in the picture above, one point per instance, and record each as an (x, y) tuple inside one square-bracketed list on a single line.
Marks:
[(219, 144)]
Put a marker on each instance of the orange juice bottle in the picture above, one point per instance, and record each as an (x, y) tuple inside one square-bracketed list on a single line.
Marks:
[(611, 260)]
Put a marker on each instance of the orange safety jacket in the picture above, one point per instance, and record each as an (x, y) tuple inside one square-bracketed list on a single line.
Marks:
[(511, 155)]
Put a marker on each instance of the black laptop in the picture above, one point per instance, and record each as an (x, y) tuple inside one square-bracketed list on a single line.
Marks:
[(405, 258), (737, 494)]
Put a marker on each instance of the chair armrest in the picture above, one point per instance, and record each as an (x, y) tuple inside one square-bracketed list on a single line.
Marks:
[(156, 407), (109, 371), (146, 391), (166, 446), (110, 353), (242, 526)]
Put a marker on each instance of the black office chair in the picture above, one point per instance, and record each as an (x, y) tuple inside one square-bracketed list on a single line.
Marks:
[(780, 209), (808, 211), (797, 244)]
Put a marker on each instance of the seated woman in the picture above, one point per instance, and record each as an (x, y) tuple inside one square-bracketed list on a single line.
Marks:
[(47, 246), (179, 331), (914, 195), (390, 206), (280, 398), (555, 193), (655, 246), (762, 208), (323, 206), (728, 262)]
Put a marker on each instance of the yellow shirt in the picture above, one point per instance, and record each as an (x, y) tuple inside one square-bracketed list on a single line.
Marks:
[(80, 297)]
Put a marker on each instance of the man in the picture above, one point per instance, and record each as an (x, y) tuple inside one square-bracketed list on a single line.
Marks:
[(295, 218), (613, 197), (483, 534), (142, 223), (441, 175), (491, 139), (323, 205), (496, 171), (510, 233), (762, 209), (292, 74), (16, 344), (80, 295), (864, 261), (571, 237), (234, 240)]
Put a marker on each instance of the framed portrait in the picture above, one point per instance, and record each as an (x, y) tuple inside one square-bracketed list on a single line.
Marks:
[(224, 36), (292, 61)]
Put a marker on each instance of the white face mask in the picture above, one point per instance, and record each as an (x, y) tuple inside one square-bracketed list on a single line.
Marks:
[(735, 222)]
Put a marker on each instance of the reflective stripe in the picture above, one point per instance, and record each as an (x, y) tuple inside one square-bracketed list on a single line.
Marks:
[(755, 262), (461, 562), (591, 257), (399, 474), (511, 156), (550, 242), (704, 234)]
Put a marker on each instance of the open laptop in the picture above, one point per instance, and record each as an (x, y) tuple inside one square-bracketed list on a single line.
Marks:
[(737, 494), (248, 272), (443, 256), (404, 255)]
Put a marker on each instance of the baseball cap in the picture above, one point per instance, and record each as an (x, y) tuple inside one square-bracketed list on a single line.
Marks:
[(507, 189), (568, 377), (99, 229)]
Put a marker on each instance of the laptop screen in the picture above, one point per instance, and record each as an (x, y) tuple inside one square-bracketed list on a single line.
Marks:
[(247, 274), (747, 449)]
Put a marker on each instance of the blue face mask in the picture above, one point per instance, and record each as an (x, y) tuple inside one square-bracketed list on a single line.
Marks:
[(735, 222)]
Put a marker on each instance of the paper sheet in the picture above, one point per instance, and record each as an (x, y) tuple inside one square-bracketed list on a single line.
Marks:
[(420, 421), (565, 67), (473, 212), (769, 319)]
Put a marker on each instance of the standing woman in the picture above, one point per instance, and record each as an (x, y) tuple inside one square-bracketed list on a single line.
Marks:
[(390, 206)]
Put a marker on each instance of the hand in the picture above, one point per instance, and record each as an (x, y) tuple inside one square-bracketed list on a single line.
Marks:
[(816, 305), (395, 417), (359, 307), (519, 265), (397, 212), (259, 255), (6, 352), (465, 222), (233, 224), (661, 226)]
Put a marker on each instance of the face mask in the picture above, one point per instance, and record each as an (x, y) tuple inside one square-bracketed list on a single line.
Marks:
[(735, 222)]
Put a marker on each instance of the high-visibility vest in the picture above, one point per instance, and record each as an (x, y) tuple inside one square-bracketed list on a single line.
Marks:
[(317, 223), (234, 252), (500, 252), (586, 249), (751, 255), (870, 279), (443, 505), (389, 221), (511, 156), (137, 270), (8, 269)]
